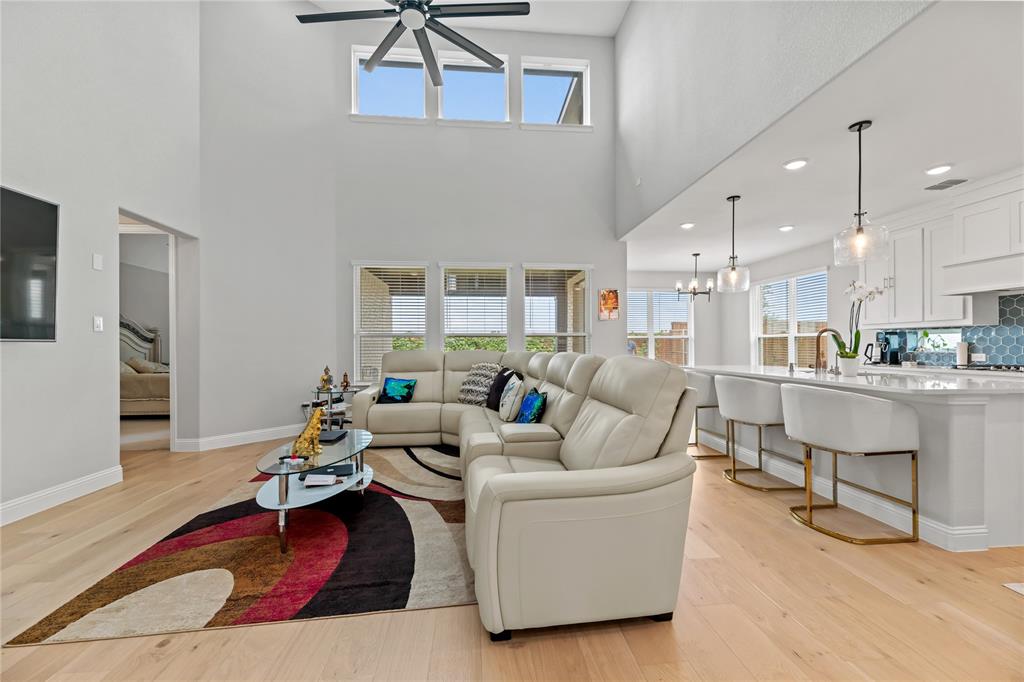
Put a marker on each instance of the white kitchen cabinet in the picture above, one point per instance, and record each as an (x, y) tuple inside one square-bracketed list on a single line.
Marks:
[(982, 230), (906, 276), (939, 249), (875, 273)]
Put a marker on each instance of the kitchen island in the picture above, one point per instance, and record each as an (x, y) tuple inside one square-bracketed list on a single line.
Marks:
[(971, 463)]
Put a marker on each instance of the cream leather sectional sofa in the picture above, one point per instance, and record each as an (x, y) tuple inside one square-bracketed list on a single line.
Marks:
[(577, 519)]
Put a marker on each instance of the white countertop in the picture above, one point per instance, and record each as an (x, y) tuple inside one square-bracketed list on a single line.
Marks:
[(879, 379)]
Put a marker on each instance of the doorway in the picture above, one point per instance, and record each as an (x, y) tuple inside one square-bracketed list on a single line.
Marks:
[(146, 335)]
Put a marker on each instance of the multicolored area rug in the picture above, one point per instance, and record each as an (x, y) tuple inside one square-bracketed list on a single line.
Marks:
[(399, 546)]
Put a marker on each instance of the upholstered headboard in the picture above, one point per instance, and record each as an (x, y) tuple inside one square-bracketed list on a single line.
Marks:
[(138, 341)]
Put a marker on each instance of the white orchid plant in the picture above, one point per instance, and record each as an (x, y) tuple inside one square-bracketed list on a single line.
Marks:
[(859, 292)]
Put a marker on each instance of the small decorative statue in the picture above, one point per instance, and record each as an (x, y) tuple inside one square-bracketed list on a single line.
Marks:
[(308, 442), (345, 383), (326, 380)]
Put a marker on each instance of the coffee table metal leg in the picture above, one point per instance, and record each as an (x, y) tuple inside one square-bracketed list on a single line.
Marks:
[(282, 529), (282, 489)]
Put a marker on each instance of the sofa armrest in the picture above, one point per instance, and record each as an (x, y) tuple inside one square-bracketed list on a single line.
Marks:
[(361, 403), (528, 433)]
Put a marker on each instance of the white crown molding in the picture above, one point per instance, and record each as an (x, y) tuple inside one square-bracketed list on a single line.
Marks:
[(33, 503), (228, 440), (951, 538)]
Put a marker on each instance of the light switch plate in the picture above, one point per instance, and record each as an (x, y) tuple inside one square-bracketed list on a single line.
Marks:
[(978, 357), (97, 323), (97, 261)]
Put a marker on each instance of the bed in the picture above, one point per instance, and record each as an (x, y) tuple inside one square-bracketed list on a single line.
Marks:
[(145, 382)]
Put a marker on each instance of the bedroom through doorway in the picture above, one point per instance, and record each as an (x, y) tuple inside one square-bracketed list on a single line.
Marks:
[(145, 337)]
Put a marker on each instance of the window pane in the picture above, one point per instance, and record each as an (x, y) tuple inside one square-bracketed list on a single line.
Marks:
[(805, 350), (392, 311), (475, 93), (774, 352), (636, 312), (556, 301), (556, 344), (811, 303), (552, 96), (671, 350), (671, 313), (394, 88), (476, 343), (475, 305), (637, 345), (775, 308), (372, 349)]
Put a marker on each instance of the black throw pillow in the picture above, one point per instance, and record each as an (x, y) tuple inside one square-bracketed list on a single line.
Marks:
[(494, 395)]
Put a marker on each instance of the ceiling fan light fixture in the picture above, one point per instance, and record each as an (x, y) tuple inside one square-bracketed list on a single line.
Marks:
[(413, 18)]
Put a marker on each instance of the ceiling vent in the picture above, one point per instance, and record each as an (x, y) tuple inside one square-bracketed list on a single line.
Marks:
[(946, 184)]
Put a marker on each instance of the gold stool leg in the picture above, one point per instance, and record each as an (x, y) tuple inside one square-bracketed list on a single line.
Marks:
[(733, 473), (913, 486), (696, 434)]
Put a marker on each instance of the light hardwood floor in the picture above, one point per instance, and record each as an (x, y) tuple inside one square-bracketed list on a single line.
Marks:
[(761, 598)]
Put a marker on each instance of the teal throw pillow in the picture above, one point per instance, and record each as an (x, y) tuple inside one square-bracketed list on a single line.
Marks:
[(532, 408), (396, 391)]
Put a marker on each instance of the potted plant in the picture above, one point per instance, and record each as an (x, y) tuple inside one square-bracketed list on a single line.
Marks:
[(849, 353)]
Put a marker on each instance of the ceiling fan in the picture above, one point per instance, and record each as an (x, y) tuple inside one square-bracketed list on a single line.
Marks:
[(419, 15)]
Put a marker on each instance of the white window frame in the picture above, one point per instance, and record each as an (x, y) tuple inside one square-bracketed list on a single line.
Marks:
[(650, 335), (588, 318), (357, 332), (453, 58), (507, 267), (791, 333), (396, 54), (581, 66)]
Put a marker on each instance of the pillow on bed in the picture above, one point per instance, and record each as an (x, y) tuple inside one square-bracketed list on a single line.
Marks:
[(127, 369), (146, 367)]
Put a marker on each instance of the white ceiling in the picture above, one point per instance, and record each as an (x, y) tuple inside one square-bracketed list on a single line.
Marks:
[(579, 17), (947, 88)]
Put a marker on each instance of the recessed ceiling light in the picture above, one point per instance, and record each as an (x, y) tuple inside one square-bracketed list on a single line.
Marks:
[(795, 164), (939, 170), (686, 226), (786, 228)]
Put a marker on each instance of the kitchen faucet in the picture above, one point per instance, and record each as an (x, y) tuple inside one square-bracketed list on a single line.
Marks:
[(818, 369)]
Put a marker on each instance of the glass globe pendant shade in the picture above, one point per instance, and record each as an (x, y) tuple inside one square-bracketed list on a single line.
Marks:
[(860, 243), (733, 279)]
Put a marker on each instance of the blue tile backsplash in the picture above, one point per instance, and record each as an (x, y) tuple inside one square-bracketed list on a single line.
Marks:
[(1003, 343)]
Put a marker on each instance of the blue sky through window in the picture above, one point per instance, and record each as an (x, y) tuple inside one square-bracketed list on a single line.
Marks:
[(544, 94), (392, 89), (473, 94)]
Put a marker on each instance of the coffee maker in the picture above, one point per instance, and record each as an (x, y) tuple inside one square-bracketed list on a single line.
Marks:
[(888, 348)]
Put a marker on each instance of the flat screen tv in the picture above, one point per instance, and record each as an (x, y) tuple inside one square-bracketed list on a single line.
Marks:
[(28, 267)]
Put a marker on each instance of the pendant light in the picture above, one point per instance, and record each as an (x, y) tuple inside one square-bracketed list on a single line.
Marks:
[(693, 289), (861, 241), (733, 278)]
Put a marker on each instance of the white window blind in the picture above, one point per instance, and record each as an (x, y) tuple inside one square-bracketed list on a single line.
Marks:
[(392, 314), (789, 313), (658, 325), (475, 309), (556, 310)]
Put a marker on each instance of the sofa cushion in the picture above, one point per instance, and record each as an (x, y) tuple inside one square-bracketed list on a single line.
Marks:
[(518, 360), (527, 433), (457, 364), (396, 391), (626, 414), (567, 382), (414, 417), (426, 366), (451, 415), (487, 467), (477, 384), (537, 369)]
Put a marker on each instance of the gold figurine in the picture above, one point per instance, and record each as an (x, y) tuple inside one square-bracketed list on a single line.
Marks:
[(326, 380), (345, 383), (308, 442)]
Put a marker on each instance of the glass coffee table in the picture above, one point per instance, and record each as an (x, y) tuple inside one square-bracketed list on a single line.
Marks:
[(285, 491)]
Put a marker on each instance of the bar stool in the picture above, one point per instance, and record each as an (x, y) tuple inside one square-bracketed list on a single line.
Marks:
[(707, 398), (754, 403), (850, 424)]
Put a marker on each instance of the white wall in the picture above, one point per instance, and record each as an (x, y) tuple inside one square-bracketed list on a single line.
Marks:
[(706, 316), (99, 113), (267, 263), (441, 193), (697, 80), (145, 251)]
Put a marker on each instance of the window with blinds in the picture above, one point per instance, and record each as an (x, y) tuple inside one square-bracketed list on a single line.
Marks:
[(555, 310), (658, 325), (475, 308), (789, 313), (391, 308)]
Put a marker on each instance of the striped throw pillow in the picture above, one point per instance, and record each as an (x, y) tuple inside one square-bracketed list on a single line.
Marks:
[(477, 383)]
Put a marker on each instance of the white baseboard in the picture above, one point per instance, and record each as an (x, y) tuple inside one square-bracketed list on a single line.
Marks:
[(228, 440), (952, 538), (33, 503)]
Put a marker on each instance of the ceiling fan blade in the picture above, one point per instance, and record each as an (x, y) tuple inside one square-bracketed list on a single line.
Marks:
[(484, 9), (346, 16), (465, 43), (428, 57), (389, 41)]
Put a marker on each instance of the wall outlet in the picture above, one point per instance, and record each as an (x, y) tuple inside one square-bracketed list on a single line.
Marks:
[(978, 357), (97, 323), (97, 261)]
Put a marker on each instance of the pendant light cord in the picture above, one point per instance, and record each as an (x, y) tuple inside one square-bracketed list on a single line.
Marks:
[(733, 258), (860, 173)]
